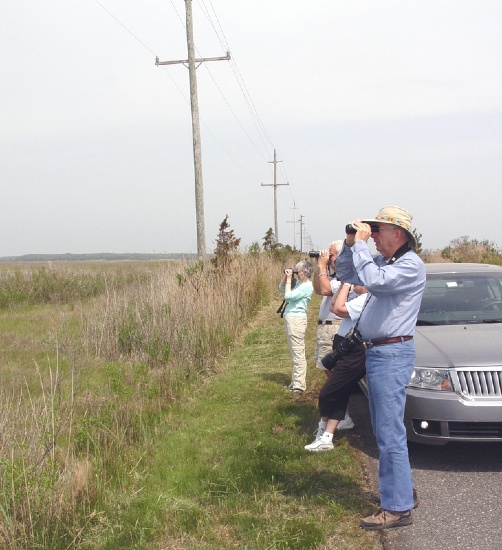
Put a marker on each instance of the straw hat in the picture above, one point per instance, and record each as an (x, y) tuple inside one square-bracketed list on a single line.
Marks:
[(396, 215)]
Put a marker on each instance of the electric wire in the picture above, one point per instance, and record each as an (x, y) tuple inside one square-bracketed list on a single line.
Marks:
[(262, 132), (185, 97), (226, 47), (244, 88), (211, 75), (123, 26), (140, 42), (237, 74)]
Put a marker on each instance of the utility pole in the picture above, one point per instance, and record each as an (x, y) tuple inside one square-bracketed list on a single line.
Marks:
[(293, 221), (308, 242), (301, 233), (197, 161), (275, 185)]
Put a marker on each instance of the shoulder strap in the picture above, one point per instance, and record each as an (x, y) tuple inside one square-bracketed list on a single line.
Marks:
[(399, 252), (282, 307)]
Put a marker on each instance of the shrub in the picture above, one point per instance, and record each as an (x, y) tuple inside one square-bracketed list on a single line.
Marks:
[(464, 249)]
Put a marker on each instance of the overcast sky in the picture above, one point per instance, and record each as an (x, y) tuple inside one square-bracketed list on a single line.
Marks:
[(367, 103)]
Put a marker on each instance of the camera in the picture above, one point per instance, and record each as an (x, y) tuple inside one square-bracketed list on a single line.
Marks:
[(314, 253), (351, 340), (352, 230)]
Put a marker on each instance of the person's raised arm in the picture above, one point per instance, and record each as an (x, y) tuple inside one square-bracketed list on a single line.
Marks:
[(340, 297), (321, 281)]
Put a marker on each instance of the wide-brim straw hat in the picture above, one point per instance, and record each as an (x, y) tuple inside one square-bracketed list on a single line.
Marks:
[(395, 215)]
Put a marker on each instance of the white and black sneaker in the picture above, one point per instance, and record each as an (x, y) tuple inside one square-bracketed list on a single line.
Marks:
[(323, 443)]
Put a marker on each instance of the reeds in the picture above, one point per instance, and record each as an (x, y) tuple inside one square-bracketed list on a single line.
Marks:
[(135, 338)]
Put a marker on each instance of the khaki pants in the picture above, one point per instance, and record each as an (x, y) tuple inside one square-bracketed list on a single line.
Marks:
[(296, 327), (324, 341)]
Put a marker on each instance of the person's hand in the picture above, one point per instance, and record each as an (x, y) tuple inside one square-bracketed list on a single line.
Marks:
[(363, 231), (323, 259), (289, 273)]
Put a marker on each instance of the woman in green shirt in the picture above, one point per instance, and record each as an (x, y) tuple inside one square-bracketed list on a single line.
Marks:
[(295, 320)]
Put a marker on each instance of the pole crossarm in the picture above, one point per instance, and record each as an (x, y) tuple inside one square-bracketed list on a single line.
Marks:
[(273, 184), (199, 60)]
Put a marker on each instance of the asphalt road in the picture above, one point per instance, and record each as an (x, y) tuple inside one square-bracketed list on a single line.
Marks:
[(459, 487)]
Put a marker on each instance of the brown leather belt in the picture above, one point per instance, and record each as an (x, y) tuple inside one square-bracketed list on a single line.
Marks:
[(382, 341)]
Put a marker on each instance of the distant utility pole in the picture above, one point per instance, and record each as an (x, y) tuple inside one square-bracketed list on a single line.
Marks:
[(293, 221), (275, 185), (301, 233), (197, 162)]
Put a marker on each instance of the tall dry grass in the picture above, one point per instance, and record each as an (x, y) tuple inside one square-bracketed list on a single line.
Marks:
[(79, 437), (183, 318)]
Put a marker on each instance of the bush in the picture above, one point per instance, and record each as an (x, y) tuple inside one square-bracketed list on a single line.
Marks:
[(463, 250)]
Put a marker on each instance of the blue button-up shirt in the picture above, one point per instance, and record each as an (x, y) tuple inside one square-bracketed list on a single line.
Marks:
[(396, 289)]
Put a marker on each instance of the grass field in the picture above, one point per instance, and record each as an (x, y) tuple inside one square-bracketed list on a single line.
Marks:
[(142, 407)]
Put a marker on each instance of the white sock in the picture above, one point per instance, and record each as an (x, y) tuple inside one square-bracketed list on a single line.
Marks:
[(322, 425), (327, 437)]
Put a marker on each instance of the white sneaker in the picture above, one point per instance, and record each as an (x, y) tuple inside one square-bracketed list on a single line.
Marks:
[(346, 424), (321, 444)]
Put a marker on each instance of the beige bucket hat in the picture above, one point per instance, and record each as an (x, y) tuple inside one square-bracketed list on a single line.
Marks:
[(396, 215)]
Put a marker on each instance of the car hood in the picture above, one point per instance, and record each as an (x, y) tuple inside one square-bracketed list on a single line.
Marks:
[(459, 345)]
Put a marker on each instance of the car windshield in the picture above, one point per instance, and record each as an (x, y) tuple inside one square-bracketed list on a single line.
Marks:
[(458, 298)]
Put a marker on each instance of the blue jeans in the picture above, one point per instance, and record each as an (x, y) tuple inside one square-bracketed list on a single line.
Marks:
[(388, 372)]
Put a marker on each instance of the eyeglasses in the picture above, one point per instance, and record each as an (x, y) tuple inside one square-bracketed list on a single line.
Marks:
[(385, 227)]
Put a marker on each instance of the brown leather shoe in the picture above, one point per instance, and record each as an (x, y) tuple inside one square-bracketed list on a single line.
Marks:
[(386, 519)]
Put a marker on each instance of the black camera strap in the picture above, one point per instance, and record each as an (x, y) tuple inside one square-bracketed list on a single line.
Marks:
[(401, 251), (282, 307)]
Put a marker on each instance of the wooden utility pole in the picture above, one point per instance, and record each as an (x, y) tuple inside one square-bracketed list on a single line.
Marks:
[(197, 160), (293, 221), (275, 185), (301, 233)]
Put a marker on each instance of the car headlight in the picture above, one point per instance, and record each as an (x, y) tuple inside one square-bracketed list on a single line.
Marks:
[(431, 379)]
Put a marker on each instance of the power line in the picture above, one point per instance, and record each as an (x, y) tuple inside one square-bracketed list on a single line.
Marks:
[(218, 29), (123, 26), (237, 74)]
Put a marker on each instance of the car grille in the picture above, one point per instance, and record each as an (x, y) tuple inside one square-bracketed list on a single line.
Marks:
[(481, 430), (480, 383)]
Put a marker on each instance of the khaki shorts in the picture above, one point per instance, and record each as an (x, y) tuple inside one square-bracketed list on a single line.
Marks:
[(324, 341)]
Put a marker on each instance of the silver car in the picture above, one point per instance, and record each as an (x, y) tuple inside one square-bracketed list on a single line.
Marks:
[(455, 393)]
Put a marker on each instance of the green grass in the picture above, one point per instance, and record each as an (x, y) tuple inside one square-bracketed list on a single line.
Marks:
[(229, 468), (186, 440)]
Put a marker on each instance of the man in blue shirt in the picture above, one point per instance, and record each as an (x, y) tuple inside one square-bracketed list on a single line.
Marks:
[(395, 280)]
